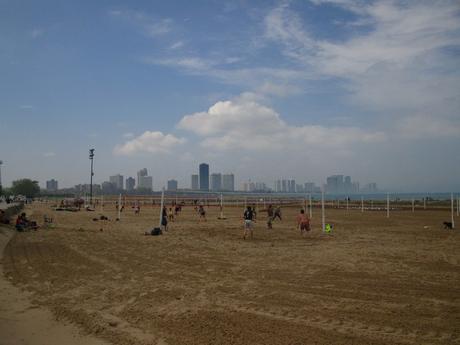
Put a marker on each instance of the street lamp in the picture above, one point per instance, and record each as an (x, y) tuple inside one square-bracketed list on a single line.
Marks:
[(91, 157), (1, 189)]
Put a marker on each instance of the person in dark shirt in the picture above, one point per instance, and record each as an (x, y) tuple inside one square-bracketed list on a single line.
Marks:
[(164, 219), (248, 222)]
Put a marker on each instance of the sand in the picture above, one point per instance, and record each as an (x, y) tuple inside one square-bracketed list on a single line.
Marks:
[(25, 323), (373, 281)]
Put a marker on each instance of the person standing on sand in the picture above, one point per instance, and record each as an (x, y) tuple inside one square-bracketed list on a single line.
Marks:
[(164, 218), (248, 222), (270, 214), (277, 213), (202, 212), (303, 222)]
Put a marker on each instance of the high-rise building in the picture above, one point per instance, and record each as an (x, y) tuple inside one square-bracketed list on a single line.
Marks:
[(109, 188), (334, 184), (216, 182), (370, 188), (143, 180), (195, 182), (309, 187), (278, 186), (291, 186), (284, 186), (204, 177), (130, 183), (228, 182), (52, 185), (172, 185), (117, 180)]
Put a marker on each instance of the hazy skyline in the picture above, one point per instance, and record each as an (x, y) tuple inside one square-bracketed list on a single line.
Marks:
[(262, 89)]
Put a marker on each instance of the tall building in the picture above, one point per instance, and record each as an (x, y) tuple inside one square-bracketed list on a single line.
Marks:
[(109, 188), (117, 180), (228, 182), (130, 183), (204, 177), (278, 186), (334, 184), (291, 186), (216, 182), (195, 184), (370, 188), (309, 187), (52, 185), (143, 180), (284, 186), (172, 185)]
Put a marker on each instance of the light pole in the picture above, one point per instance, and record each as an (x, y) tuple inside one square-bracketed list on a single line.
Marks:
[(91, 157), (1, 189)]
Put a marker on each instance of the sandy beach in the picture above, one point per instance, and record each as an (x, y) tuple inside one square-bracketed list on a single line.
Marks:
[(373, 281)]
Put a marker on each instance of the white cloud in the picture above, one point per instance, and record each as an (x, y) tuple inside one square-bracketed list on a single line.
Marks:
[(149, 142), (423, 126), (150, 25), (401, 65), (177, 45), (246, 124), (49, 154), (26, 107), (37, 32), (128, 135)]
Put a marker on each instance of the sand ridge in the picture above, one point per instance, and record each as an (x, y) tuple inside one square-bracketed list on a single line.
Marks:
[(374, 281)]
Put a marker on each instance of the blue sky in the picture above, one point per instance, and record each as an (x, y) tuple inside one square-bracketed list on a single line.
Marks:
[(264, 89)]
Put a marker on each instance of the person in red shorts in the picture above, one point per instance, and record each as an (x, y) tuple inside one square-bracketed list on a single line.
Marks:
[(303, 222)]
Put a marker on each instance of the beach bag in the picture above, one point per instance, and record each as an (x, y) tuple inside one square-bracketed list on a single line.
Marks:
[(156, 232)]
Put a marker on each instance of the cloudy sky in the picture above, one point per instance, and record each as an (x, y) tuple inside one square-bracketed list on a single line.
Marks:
[(263, 89)]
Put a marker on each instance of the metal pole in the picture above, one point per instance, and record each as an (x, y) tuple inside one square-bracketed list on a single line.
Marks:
[(452, 209), (424, 203), (309, 201), (119, 207), (221, 206), (362, 204), (388, 205), (91, 157), (347, 204), (1, 187), (458, 207), (161, 206), (322, 211)]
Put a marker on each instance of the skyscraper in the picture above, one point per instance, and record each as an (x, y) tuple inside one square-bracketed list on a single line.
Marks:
[(284, 186), (278, 186), (144, 181), (129, 183), (216, 182), (334, 184), (52, 185), (228, 182), (117, 180), (172, 185), (204, 177), (195, 184)]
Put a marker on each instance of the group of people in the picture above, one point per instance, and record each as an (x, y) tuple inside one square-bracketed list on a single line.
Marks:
[(303, 221), (24, 224)]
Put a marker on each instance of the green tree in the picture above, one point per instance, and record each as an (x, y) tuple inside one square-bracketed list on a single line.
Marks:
[(25, 187)]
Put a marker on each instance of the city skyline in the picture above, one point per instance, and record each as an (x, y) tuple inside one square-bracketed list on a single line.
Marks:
[(294, 89), (224, 182)]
